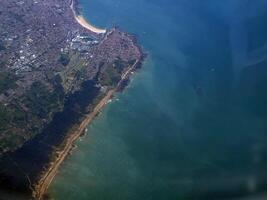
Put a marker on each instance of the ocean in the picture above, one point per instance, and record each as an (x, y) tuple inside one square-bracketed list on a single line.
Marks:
[(192, 124)]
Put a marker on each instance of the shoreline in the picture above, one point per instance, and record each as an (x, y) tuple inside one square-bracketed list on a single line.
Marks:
[(84, 23), (47, 177)]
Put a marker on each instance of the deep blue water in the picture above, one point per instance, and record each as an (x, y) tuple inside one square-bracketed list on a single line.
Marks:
[(192, 123)]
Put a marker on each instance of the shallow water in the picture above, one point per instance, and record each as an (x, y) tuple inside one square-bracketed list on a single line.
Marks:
[(192, 123)]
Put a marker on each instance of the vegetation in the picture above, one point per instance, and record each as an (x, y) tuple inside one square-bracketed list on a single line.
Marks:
[(2, 64), (41, 100), (11, 140), (5, 117), (64, 59), (17, 17), (131, 62), (112, 73), (2, 46), (7, 81), (110, 76), (9, 116)]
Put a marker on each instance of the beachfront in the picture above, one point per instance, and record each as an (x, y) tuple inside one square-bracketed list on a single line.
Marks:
[(84, 23)]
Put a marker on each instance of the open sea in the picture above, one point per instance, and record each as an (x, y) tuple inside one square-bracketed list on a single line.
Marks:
[(192, 124)]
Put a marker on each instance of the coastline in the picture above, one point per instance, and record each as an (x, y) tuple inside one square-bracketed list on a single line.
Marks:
[(89, 70), (75, 132), (84, 23), (48, 175)]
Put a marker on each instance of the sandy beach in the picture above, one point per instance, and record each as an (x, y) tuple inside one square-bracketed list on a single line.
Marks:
[(80, 19), (41, 187), (84, 23), (48, 175)]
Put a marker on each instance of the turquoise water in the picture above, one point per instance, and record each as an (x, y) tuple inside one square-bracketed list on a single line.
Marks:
[(192, 123)]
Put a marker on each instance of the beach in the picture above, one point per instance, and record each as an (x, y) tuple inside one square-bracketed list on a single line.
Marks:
[(48, 175), (41, 187), (84, 23), (75, 132)]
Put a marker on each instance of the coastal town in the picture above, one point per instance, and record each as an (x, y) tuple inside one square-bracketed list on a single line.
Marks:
[(49, 44), (47, 53)]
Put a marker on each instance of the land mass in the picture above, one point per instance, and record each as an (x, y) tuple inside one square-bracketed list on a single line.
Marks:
[(46, 178), (56, 72)]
